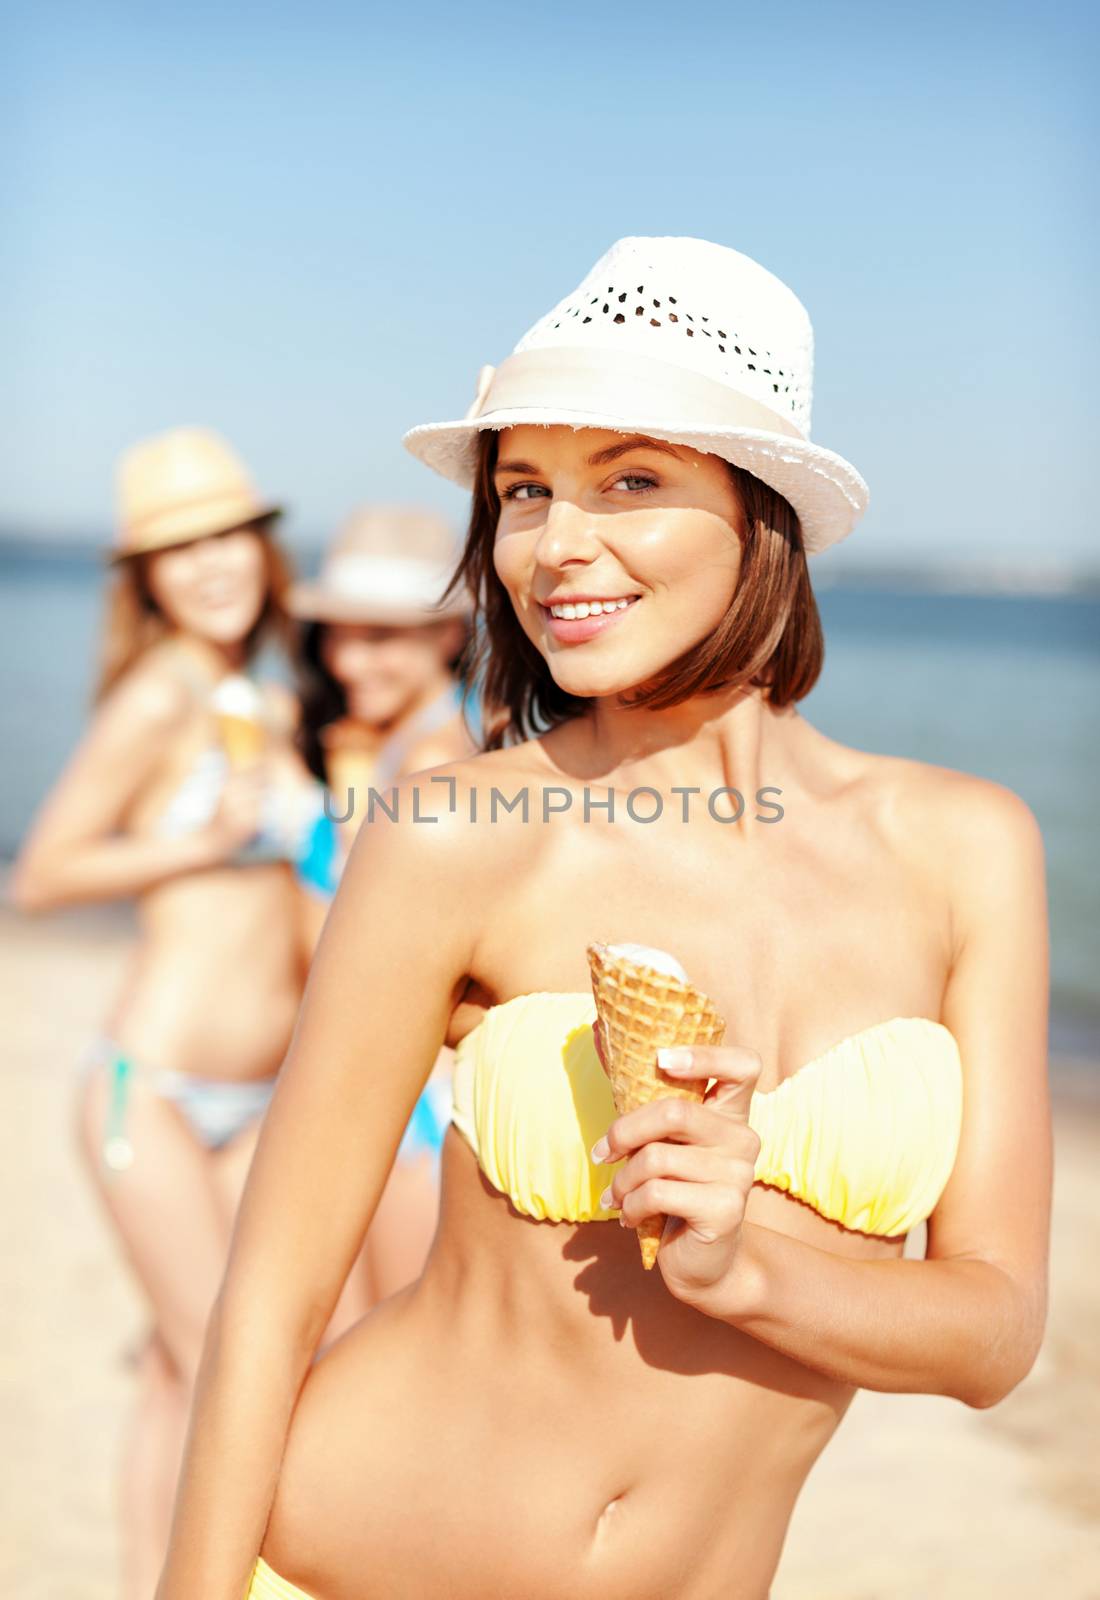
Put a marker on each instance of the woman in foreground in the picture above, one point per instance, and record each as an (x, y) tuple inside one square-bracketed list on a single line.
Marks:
[(537, 1416), (380, 699)]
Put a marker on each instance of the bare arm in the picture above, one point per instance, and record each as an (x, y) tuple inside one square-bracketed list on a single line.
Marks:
[(390, 964), (74, 851), (968, 1320)]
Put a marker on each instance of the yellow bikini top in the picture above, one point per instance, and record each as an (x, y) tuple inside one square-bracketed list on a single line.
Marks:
[(866, 1134)]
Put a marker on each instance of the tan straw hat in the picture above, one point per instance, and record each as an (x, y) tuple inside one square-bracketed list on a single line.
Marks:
[(685, 341), (179, 486), (386, 564)]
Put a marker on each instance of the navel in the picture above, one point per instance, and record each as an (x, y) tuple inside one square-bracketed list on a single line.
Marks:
[(607, 1517)]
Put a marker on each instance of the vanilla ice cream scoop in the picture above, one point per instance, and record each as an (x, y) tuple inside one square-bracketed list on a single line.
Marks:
[(645, 956), (238, 708), (237, 696)]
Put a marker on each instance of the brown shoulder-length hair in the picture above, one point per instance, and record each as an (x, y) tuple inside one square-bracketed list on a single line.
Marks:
[(770, 637), (134, 622)]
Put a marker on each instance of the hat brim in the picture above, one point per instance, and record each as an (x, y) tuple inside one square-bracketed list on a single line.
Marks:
[(172, 535), (313, 602), (826, 492)]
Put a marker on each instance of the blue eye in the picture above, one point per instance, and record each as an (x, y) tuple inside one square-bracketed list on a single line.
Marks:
[(515, 491), (638, 482)]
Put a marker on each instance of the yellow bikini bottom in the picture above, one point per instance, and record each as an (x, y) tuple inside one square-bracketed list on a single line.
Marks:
[(267, 1585)]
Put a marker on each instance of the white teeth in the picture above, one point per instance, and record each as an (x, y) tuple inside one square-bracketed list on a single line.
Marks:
[(589, 608)]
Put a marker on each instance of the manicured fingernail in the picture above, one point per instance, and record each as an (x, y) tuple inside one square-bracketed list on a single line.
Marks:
[(606, 1201), (674, 1058), (600, 1151)]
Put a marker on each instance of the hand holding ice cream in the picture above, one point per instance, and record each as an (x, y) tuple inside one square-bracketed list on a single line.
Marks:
[(690, 1153), (644, 1001)]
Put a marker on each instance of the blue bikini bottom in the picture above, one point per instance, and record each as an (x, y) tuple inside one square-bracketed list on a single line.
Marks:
[(215, 1109)]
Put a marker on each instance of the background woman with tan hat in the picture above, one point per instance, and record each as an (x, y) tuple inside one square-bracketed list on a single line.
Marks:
[(381, 698), (540, 1416), (187, 795)]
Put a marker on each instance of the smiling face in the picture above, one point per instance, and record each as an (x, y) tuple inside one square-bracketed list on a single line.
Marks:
[(619, 553), (384, 671), (214, 587)]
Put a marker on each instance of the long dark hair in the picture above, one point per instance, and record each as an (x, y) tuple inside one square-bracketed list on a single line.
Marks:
[(770, 637)]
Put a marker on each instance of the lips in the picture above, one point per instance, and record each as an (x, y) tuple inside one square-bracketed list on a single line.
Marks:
[(579, 628), (586, 606)]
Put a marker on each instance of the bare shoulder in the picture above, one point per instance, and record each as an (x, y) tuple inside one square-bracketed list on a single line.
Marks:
[(968, 833), (449, 745), (991, 846), (484, 770), (965, 816), (463, 818), (153, 698)]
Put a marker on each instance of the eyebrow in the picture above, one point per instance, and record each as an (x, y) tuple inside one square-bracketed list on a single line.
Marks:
[(600, 458), (638, 441)]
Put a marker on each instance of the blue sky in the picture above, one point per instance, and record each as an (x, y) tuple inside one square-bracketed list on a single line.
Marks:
[(309, 225)]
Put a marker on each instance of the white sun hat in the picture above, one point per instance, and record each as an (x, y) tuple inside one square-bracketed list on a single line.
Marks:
[(683, 340), (387, 564)]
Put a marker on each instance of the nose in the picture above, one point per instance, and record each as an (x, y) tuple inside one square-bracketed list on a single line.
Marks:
[(567, 535), (353, 659), (360, 656), (209, 554)]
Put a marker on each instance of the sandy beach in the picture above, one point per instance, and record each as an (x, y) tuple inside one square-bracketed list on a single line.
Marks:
[(916, 1497)]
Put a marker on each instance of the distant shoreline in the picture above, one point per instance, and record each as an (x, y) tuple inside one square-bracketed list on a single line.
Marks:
[(1003, 579)]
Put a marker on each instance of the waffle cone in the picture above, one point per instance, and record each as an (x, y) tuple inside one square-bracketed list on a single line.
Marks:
[(349, 772), (638, 1010), (242, 739), (350, 734)]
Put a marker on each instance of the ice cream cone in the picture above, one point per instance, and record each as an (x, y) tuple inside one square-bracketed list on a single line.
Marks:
[(639, 1008), (351, 754), (242, 739), (238, 708)]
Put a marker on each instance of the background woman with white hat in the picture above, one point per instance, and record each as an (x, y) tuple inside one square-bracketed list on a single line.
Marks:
[(380, 698), (187, 795), (380, 653), (538, 1416)]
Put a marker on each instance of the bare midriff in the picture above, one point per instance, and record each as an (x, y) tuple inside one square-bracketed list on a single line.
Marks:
[(539, 1417), (215, 982)]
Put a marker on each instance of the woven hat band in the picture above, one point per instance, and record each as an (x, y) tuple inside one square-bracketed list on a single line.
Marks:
[(610, 383)]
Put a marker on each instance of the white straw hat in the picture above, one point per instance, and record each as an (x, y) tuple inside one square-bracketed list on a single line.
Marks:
[(686, 341), (387, 564)]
